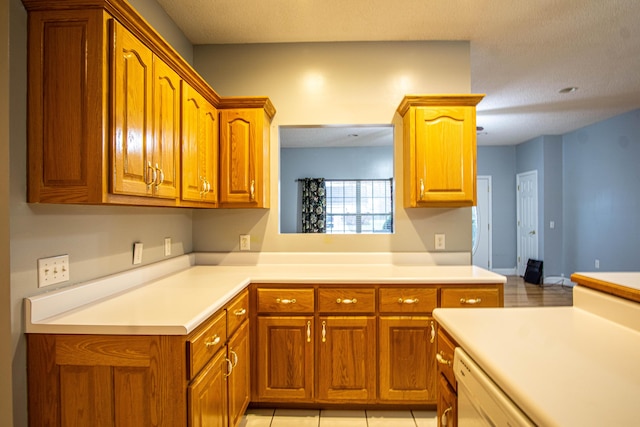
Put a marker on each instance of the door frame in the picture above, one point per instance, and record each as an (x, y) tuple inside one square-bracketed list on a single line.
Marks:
[(521, 263), (489, 220)]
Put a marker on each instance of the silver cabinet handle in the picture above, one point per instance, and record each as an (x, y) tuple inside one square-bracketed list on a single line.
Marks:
[(229, 367), (286, 301), (215, 340), (470, 301), (441, 360), (346, 301), (159, 177), (408, 300), (445, 417), (234, 357), (150, 171), (432, 338)]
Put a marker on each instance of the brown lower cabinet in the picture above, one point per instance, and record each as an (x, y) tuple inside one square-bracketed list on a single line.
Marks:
[(447, 386), (349, 344), (313, 345), (200, 379)]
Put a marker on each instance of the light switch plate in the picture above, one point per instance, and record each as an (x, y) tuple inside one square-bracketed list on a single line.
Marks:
[(245, 242), (137, 253), (167, 246), (53, 270)]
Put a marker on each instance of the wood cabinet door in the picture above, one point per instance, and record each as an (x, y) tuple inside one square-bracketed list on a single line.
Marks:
[(132, 99), (240, 165), (447, 404), (285, 358), (445, 155), (407, 359), (347, 358), (166, 125), (106, 380), (239, 382), (199, 148), (207, 395)]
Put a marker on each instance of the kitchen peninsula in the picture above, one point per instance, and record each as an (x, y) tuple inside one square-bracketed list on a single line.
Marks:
[(562, 366), (157, 343)]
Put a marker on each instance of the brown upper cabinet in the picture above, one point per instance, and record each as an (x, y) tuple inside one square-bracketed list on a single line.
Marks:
[(439, 144), (244, 153), (199, 149), (146, 120), (116, 116)]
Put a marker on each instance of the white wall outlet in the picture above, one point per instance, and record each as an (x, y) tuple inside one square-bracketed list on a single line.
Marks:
[(53, 270), (440, 242), (167, 246), (245, 242), (137, 253), (597, 263)]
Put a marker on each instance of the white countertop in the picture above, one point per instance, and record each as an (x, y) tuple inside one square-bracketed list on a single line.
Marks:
[(563, 366), (177, 302)]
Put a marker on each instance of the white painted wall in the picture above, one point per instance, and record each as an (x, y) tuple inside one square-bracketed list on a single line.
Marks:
[(334, 83)]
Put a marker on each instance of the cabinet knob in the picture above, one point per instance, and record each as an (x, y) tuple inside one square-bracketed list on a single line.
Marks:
[(346, 301), (240, 312), (286, 301)]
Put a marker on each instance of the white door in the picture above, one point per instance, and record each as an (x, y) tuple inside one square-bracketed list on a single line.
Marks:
[(527, 218), (481, 251)]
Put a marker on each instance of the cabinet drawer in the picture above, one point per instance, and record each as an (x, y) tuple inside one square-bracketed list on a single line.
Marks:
[(408, 300), (205, 342), (444, 358), (471, 297), (237, 312), (283, 300), (356, 300)]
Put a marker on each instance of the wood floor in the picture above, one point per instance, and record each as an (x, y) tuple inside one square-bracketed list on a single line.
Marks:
[(518, 293)]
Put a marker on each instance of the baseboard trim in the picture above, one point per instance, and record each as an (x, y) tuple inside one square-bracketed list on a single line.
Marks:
[(558, 280), (505, 271)]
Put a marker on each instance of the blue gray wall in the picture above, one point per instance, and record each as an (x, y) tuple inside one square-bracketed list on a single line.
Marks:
[(331, 163), (588, 184), (601, 203), (500, 163)]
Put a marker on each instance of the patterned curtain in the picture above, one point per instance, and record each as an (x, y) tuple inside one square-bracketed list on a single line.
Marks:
[(314, 205)]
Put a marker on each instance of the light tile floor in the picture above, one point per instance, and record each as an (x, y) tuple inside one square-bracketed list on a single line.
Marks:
[(337, 418)]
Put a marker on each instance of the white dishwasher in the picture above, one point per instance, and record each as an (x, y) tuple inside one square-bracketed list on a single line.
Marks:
[(480, 401)]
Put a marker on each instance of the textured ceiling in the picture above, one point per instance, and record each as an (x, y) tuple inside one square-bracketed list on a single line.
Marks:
[(522, 51)]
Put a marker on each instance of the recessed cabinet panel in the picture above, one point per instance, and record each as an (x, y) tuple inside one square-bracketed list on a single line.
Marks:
[(407, 359), (132, 97), (166, 124), (285, 358), (440, 159), (199, 148), (347, 358), (244, 155)]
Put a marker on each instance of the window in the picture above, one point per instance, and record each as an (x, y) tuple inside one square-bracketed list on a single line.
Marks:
[(359, 206)]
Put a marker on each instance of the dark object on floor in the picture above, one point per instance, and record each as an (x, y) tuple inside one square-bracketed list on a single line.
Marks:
[(533, 273)]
